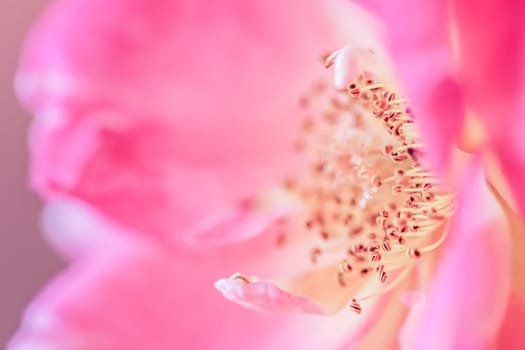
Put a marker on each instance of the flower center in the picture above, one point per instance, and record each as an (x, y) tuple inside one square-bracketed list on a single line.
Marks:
[(370, 203)]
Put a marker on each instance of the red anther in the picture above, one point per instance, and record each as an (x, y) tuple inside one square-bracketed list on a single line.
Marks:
[(355, 307), (414, 253)]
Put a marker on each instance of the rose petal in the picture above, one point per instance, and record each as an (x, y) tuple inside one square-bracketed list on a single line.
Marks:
[(78, 230), (383, 334), (163, 112), (511, 157), (244, 220), (417, 303), (498, 94), (314, 291), (75, 229), (135, 297), (512, 332), (264, 296), (466, 301)]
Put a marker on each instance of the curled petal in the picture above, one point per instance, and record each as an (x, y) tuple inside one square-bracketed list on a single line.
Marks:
[(264, 296), (313, 291)]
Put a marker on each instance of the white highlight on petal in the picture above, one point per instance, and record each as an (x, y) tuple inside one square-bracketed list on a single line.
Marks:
[(29, 84), (74, 228)]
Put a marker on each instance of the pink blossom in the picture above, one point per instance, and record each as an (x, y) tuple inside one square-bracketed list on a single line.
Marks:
[(175, 121), (461, 64)]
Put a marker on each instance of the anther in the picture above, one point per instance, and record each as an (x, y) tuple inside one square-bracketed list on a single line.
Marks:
[(382, 277), (242, 278), (309, 224), (280, 239), (348, 218), (364, 271), (314, 254), (397, 189), (354, 92), (428, 196), (385, 245), (414, 253), (377, 181), (345, 266), (355, 307), (373, 247), (400, 172), (356, 231), (381, 273), (375, 257)]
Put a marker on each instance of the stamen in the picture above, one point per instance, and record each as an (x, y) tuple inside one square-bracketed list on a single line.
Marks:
[(370, 202)]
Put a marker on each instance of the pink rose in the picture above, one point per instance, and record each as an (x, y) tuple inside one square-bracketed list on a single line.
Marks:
[(177, 121)]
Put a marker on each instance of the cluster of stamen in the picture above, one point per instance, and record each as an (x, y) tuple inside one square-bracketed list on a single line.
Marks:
[(371, 204)]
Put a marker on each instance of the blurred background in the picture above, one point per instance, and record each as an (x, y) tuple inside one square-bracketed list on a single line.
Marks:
[(26, 262)]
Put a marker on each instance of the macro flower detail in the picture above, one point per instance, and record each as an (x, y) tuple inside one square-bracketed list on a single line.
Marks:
[(370, 207), (173, 148)]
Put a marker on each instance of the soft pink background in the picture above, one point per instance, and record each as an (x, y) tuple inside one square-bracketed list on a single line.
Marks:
[(26, 261)]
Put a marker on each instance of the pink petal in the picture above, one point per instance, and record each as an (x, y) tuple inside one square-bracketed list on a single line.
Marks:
[(244, 220), (316, 291), (78, 230), (159, 113), (264, 296), (417, 303), (75, 229), (466, 301), (512, 332), (384, 333), (135, 297), (511, 156), (497, 95), (418, 40)]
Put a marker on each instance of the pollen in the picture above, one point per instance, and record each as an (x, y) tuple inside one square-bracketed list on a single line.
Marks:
[(371, 204)]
